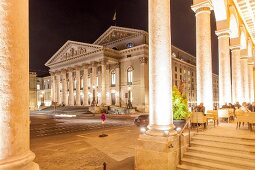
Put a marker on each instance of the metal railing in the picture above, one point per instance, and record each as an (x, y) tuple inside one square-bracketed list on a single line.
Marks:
[(180, 134)]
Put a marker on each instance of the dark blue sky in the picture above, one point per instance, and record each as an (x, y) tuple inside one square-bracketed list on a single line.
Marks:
[(53, 22)]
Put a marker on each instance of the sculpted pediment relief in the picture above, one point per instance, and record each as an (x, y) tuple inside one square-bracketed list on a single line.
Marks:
[(116, 33), (71, 50)]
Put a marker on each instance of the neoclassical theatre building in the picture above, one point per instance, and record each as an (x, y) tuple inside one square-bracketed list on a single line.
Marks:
[(112, 71)]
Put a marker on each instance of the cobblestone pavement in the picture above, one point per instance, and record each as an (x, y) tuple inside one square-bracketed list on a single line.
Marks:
[(86, 150), (47, 125)]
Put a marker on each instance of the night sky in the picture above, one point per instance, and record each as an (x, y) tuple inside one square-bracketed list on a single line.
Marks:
[(53, 22)]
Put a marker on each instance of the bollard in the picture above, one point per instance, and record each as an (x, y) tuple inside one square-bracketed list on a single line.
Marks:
[(104, 166)]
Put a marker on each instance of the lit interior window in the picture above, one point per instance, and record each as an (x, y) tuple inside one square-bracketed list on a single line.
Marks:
[(130, 75), (113, 77)]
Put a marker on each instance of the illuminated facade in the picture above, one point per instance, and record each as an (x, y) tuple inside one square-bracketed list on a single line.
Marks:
[(114, 65), (32, 91)]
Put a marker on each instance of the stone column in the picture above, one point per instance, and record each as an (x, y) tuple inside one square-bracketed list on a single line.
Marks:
[(71, 97), (78, 87), (245, 79), (64, 89), (53, 85), (85, 86), (144, 89), (117, 87), (94, 82), (15, 152), (108, 84), (237, 93), (157, 149), (224, 67), (203, 54), (58, 88), (251, 84), (103, 87)]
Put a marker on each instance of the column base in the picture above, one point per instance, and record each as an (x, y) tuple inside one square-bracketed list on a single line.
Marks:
[(156, 152), (22, 162)]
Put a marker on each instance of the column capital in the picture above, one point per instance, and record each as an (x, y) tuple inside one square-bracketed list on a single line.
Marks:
[(222, 33), (143, 60), (235, 47), (103, 61), (94, 63), (205, 6)]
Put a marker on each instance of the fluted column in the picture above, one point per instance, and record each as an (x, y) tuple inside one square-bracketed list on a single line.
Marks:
[(103, 76), (251, 84), (117, 87), (237, 93), (78, 87), (85, 86), (71, 97), (203, 54), (64, 89), (53, 85), (224, 67), (15, 151), (94, 83), (245, 78), (107, 85), (58, 88), (160, 92)]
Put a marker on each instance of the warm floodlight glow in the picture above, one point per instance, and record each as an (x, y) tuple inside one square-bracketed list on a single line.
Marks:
[(142, 129), (243, 40), (233, 27), (178, 129), (64, 115), (220, 10)]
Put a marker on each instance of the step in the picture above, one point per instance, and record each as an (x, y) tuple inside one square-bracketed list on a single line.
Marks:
[(208, 165), (203, 143), (188, 167), (231, 161), (225, 152), (225, 139)]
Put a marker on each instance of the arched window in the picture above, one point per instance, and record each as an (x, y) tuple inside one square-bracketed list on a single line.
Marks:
[(130, 75), (113, 77)]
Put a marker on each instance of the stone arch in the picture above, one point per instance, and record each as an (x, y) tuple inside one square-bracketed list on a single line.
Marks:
[(233, 23), (243, 39)]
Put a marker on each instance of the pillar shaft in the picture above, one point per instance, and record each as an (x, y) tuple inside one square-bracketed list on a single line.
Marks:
[(160, 85), (103, 91), (245, 78), (94, 82), (53, 85), (85, 87), (251, 84), (117, 93), (15, 152), (224, 67), (203, 55), (64, 89), (237, 94), (78, 87), (108, 84), (58, 89), (71, 97)]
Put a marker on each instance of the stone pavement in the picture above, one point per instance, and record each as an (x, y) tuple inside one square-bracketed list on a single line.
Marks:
[(86, 151)]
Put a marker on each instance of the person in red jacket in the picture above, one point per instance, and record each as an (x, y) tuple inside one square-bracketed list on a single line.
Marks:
[(103, 117)]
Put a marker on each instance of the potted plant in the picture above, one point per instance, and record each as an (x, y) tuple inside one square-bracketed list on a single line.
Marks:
[(180, 107)]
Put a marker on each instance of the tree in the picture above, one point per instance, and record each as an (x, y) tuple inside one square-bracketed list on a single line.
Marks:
[(180, 105)]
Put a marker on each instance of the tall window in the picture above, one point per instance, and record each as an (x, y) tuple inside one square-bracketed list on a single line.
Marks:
[(97, 81), (113, 77), (130, 75)]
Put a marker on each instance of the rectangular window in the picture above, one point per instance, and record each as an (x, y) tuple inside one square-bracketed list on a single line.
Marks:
[(130, 77), (113, 79), (38, 87), (97, 81)]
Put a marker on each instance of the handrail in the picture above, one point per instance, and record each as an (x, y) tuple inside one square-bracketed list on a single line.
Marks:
[(188, 122)]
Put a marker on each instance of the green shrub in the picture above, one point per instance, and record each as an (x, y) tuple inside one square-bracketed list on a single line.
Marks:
[(180, 105)]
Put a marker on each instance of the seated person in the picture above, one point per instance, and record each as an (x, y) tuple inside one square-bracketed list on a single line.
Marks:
[(200, 108), (225, 106), (244, 107)]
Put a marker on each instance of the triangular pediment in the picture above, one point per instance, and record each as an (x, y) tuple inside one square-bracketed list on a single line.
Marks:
[(114, 33), (72, 49)]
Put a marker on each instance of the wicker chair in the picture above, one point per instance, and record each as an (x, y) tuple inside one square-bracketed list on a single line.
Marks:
[(212, 115), (198, 118)]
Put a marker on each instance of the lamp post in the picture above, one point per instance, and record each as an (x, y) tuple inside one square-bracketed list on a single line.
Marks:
[(129, 104)]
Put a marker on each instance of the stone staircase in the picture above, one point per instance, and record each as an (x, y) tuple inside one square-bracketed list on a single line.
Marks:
[(219, 153)]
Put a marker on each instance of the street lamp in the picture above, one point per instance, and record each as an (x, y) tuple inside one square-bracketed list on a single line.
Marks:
[(129, 104), (94, 103)]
